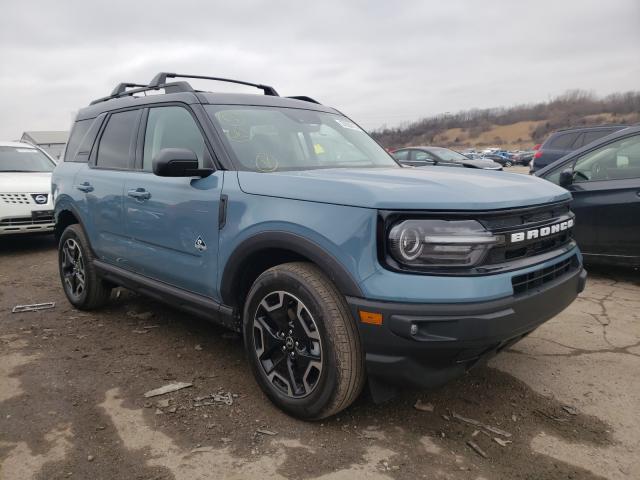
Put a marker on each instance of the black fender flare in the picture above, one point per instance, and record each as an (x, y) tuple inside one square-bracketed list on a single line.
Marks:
[(294, 243)]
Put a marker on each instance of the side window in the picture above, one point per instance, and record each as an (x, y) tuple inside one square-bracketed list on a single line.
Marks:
[(593, 136), (564, 140), (420, 156), (615, 161), (401, 155), (171, 127), (78, 132), (116, 143)]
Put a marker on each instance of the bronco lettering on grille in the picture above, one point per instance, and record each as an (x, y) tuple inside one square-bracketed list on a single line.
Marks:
[(542, 232)]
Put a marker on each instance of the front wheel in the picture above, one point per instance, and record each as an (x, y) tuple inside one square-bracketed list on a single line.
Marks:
[(508, 164), (302, 343)]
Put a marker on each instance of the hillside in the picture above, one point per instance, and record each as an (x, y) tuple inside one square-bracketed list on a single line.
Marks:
[(518, 127)]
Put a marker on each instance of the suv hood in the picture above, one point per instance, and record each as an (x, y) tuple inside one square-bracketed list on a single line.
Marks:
[(25, 182), (441, 188)]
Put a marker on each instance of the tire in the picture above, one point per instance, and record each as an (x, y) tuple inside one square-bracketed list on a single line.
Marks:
[(75, 262), (508, 164), (309, 362)]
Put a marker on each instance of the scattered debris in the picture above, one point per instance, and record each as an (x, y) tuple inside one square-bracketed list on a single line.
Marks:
[(202, 449), (475, 433), (423, 406), (225, 398), (476, 448), (33, 307), (172, 409), (140, 316), (140, 331), (446, 417), (266, 432), (476, 423), (501, 442), (514, 418), (159, 412), (551, 417), (198, 347), (163, 403), (172, 387), (570, 410), (90, 458)]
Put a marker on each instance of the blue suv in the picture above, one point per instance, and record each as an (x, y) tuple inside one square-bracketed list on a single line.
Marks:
[(281, 219)]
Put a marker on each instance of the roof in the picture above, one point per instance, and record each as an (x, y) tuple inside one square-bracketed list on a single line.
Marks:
[(15, 144), (40, 137)]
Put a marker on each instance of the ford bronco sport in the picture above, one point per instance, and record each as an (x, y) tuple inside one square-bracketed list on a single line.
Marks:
[(280, 218)]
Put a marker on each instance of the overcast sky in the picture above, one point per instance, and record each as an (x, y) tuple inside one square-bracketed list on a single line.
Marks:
[(381, 62)]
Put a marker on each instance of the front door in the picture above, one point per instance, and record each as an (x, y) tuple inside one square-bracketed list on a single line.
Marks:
[(606, 198), (173, 222)]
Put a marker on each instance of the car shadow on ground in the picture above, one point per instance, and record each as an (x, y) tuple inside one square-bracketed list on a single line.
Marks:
[(24, 244)]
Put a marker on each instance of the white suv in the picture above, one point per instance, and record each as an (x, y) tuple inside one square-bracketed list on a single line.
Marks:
[(25, 189)]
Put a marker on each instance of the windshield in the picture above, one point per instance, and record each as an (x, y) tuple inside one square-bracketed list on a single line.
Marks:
[(24, 159), (268, 139), (449, 155)]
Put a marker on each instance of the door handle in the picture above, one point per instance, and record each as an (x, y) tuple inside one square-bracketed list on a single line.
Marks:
[(85, 187), (139, 194)]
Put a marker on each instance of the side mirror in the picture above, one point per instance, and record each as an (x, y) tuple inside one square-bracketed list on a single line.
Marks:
[(566, 178), (178, 162)]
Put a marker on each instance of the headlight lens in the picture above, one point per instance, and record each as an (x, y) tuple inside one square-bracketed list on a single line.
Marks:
[(440, 243)]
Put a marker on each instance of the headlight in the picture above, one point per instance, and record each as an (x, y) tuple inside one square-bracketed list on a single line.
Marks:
[(440, 243)]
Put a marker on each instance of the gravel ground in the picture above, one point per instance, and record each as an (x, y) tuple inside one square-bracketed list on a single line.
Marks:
[(72, 404)]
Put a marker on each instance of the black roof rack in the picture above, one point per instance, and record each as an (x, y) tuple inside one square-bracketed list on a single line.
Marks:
[(121, 90), (161, 79), (304, 98), (122, 87)]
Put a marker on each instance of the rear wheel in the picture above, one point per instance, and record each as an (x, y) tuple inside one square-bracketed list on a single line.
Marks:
[(82, 286), (301, 341)]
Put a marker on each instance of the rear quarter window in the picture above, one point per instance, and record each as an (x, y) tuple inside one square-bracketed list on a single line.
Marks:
[(78, 132), (563, 141)]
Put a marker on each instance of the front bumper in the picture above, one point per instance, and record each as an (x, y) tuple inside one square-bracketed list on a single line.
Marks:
[(427, 345)]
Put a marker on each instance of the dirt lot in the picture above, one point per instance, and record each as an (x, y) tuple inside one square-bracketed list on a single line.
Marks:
[(72, 405)]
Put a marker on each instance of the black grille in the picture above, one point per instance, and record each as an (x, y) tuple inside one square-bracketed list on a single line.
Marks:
[(22, 221), (526, 219), (528, 281)]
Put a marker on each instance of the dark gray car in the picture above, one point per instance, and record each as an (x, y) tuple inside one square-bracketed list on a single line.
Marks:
[(424, 156)]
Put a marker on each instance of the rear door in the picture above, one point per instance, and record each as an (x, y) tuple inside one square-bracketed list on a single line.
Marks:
[(173, 222), (606, 192), (100, 185)]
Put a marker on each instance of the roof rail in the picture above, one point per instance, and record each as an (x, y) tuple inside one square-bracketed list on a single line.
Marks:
[(161, 79), (121, 91), (304, 98)]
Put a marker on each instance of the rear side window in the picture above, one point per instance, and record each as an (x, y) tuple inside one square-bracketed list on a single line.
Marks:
[(78, 132), (401, 155), (563, 141), (593, 136), (117, 141)]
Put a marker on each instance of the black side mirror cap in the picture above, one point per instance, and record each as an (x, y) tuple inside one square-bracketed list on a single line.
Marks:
[(566, 178), (178, 162)]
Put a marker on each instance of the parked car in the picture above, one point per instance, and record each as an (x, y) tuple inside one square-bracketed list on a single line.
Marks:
[(523, 158), (25, 189), (500, 158), (282, 219), (604, 179), (443, 157), (565, 141)]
